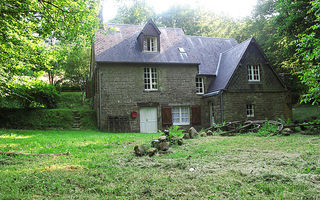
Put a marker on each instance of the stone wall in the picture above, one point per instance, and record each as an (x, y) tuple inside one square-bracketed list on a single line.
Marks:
[(267, 105), (123, 90)]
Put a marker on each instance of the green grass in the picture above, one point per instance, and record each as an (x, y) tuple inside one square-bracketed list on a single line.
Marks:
[(305, 112), (72, 100), (103, 166)]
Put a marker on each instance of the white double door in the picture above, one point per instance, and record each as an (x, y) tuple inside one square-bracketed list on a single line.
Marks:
[(148, 120)]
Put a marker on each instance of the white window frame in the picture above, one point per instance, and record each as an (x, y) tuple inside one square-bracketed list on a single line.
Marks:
[(250, 110), (150, 44), (199, 85), (150, 79), (253, 73), (180, 111)]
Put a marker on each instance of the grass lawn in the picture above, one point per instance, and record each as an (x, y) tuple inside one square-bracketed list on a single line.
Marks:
[(103, 166)]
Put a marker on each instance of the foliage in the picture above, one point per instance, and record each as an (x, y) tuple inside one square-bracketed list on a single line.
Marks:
[(136, 13), (267, 129), (27, 26), (103, 164), (309, 50), (32, 93), (72, 100), (45, 119), (77, 67)]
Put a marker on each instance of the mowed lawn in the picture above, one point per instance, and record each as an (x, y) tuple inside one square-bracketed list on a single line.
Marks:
[(103, 166)]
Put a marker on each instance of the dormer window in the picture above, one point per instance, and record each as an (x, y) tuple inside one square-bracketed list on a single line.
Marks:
[(150, 44)]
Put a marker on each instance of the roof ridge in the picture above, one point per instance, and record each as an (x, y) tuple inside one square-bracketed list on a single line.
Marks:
[(210, 37), (236, 45)]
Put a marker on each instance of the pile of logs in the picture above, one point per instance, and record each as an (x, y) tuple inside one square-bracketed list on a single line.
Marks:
[(232, 128)]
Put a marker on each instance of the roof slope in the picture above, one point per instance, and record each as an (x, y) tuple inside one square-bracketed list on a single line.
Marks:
[(122, 46), (228, 64), (207, 51)]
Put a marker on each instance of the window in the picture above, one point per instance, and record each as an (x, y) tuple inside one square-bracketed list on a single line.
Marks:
[(254, 72), (180, 115), (250, 110), (199, 85), (150, 44), (150, 79)]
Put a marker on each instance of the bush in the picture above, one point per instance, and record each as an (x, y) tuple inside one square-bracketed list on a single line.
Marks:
[(44, 119), (33, 94)]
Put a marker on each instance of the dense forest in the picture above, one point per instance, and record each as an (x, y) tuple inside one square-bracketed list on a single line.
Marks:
[(53, 38)]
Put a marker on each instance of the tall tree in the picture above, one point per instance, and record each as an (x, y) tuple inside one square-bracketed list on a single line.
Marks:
[(133, 12), (309, 50), (25, 25)]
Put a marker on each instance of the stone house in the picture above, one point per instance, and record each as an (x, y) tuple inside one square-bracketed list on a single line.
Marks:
[(147, 78)]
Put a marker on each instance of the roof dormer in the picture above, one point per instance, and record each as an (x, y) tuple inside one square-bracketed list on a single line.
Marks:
[(149, 38)]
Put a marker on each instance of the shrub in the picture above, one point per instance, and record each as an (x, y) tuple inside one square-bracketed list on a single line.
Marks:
[(33, 94)]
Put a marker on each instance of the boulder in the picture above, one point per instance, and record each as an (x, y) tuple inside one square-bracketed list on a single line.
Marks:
[(209, 133), (286, 131), (152, 151), (163, 138), (193, 133), (163, 146), (155, 143), (186, 135), (203, 134), (176, 140), (140, 150)]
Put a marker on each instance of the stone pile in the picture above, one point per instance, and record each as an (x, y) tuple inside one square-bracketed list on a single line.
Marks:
[(162, 144)]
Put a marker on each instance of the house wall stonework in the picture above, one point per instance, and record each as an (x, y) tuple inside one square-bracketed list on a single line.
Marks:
[(122, 90), (267, 105)]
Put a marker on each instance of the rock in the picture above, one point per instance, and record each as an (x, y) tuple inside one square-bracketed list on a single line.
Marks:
[(203, 134), (140, 150), (166, 132), (191, 169), (155, 143), (286, 131), (162, 138), (209, 133), (193, 133), (152, 151), (163, 146), (186, 135), (176, 140)]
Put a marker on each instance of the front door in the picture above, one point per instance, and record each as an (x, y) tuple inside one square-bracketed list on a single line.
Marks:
[(148, 120), (212, 114)]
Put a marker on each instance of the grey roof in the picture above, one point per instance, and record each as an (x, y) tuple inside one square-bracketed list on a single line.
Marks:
[(122, 46), (228, 63), (207, 51)]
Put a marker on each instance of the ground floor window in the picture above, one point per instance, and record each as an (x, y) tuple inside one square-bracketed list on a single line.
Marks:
[(250, 110), (180, 115)]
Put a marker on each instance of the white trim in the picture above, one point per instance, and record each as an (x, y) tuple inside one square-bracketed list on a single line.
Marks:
[(218, 64), (250, 110), (153, 82), (253, 73), (153, 44), (201, 88), (180, 115)]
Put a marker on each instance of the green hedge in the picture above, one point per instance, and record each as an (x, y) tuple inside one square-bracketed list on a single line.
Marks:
[(44, 119)]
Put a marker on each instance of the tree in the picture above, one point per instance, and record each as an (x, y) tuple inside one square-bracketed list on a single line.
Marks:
[(309, 50), (26, 25), (137, 13), (77, 67)]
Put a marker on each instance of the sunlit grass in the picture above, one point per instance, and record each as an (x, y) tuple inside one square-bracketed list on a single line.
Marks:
[(103, 166)]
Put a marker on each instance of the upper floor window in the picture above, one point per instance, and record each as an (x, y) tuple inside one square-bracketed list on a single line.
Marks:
[(250, 110), (180, 115), (150, 79), (150, 44), (199, 85), (254, 72)]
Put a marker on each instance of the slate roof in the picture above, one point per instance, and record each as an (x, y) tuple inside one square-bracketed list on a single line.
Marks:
[(122, 46), (215, 56), (229, 61)]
